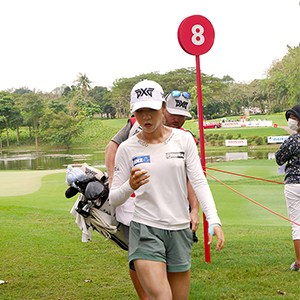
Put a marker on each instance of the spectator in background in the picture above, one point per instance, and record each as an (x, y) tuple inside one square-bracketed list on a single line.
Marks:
[(289, 154)]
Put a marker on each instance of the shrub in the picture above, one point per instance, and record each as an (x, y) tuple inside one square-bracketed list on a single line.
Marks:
[(212, 140), (249, 140), (275, 108), (229, 136), (259, 140), (207, 136)]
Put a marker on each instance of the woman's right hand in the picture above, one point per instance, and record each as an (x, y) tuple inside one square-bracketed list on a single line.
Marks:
[(138, 177)]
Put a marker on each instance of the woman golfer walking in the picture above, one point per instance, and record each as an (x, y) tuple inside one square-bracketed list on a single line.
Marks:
[(155, 164)]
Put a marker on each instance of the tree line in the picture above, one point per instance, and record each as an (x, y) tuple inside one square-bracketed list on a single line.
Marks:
[(56, 117)]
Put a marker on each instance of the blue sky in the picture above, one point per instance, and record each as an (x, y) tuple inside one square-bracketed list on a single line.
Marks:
[(47, 43)]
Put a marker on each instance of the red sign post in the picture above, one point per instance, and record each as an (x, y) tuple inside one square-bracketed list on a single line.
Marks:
[(196, 36)]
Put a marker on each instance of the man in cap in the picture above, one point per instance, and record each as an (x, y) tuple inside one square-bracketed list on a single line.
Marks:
[(177, 109), (178, 106)]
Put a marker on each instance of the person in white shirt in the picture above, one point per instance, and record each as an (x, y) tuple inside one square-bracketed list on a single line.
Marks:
[(155, 164), (177, 109)]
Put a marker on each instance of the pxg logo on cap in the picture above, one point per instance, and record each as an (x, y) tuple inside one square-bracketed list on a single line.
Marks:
[(146, 94), (146, 91)]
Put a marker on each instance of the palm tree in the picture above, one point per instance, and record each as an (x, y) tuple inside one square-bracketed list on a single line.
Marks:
[(83, 83)]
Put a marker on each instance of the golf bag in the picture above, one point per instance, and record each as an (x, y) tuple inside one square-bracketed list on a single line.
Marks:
[(92, 209)]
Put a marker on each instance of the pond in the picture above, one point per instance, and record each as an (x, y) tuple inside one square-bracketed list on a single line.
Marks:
[(60, 159), (218, 156), (50, 159)]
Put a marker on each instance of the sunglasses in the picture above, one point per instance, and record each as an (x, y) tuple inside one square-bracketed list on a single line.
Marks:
[(186, 95)]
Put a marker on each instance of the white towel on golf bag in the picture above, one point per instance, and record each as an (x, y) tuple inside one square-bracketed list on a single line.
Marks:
[(81, 222)]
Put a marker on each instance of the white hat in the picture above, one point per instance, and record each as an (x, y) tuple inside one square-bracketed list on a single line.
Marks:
[(146, 93), (178, 105)]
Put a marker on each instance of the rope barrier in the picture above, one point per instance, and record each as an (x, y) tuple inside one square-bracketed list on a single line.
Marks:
[(244, 175), (273, 212)]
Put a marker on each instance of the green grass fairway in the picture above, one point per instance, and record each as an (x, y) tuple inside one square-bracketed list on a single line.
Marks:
[(42, 256), (22, 182), (266, 193)]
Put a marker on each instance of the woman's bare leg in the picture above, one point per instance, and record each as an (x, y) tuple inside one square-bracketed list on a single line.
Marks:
[(153, 278), (180, 284), (297, 251), (137, 285)]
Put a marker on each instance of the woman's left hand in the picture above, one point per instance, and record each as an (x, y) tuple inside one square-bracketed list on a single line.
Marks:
[(218, 232)]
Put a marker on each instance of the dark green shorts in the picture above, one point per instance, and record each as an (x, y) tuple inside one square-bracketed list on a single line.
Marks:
[(173, 247)]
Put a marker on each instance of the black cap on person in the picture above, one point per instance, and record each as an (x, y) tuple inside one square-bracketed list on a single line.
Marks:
[(295, 111)]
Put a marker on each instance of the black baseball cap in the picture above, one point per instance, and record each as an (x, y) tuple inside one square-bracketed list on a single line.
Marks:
[(295, 111)]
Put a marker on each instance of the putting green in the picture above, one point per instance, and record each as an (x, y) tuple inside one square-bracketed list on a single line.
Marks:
[(23, 182)]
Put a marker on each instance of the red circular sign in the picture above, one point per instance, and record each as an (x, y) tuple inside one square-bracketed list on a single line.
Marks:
[(196, 35)]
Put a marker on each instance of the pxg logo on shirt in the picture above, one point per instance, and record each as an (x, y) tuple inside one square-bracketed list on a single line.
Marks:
[(141, 159)]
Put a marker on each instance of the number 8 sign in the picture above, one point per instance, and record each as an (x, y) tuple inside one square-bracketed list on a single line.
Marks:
[(196, 35)]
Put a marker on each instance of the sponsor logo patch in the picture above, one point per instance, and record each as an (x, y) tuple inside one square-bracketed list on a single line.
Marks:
[(141, 160), (170, 155)]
